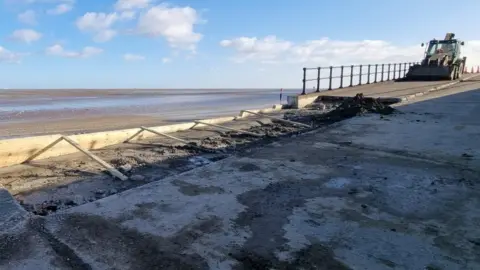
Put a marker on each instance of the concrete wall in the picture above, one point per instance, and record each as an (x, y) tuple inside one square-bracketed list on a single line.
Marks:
[(16, 151), (301, 101)]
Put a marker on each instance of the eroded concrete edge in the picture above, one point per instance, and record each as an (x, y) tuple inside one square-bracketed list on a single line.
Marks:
[(17, 150)]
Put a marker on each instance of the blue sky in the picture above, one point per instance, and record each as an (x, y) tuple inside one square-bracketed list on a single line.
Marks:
[(213, 43)]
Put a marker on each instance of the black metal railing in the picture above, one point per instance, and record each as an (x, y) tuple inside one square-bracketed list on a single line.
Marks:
[(374, 74)]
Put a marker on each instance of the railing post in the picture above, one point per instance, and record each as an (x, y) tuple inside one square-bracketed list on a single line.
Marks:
[(368, 75), (304, 80), (388, 72), (318, 79), (360, 76), (376, 70), (330, 79), (394, 70), (399, 70), (351, 76), (383, 72), (405, 70), (341, 77)]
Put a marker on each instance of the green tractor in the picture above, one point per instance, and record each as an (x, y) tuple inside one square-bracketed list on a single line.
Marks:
[(442, 61)]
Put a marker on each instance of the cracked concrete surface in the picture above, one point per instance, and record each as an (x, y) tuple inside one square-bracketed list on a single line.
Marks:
[(391, 192), (48, 185)]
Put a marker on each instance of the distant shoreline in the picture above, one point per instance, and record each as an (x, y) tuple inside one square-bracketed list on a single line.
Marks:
[(38, 112)]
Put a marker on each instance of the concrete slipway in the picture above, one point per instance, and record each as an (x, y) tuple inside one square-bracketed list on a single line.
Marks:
[(373, 192)]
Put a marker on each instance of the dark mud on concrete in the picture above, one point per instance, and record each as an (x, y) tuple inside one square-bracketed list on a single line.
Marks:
[(142, 164), (140, 250), (153, 162), (313, 257), (348, 108), (267, 213), (22, 244), (195, 190), (15, 246)]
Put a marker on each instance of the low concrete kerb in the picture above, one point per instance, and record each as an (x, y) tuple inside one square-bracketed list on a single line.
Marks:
[(436, 88), (433, 89), (16, 151)]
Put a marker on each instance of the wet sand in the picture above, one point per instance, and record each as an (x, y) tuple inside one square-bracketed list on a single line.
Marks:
[(39, 112)]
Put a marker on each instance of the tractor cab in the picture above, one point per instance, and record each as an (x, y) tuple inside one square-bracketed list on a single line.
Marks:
[(449, 47)]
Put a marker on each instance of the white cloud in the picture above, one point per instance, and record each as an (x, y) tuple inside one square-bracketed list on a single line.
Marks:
[(175, 24), (325, 52), (27, 17), (127, 15), (61, 9), (98, 24), (362, 52), (268, 49), (101, 25), (104, 35), (58, 50), (26, 35), (320, 52), (131, 4), (7, 56), (133, 57), (93, 21), (166, 60)]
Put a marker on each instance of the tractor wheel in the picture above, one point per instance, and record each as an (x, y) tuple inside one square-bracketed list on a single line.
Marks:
[(453, 74), (460, 71)]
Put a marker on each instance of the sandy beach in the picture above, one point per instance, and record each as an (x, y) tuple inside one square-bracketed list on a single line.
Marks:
[(37, 112)]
